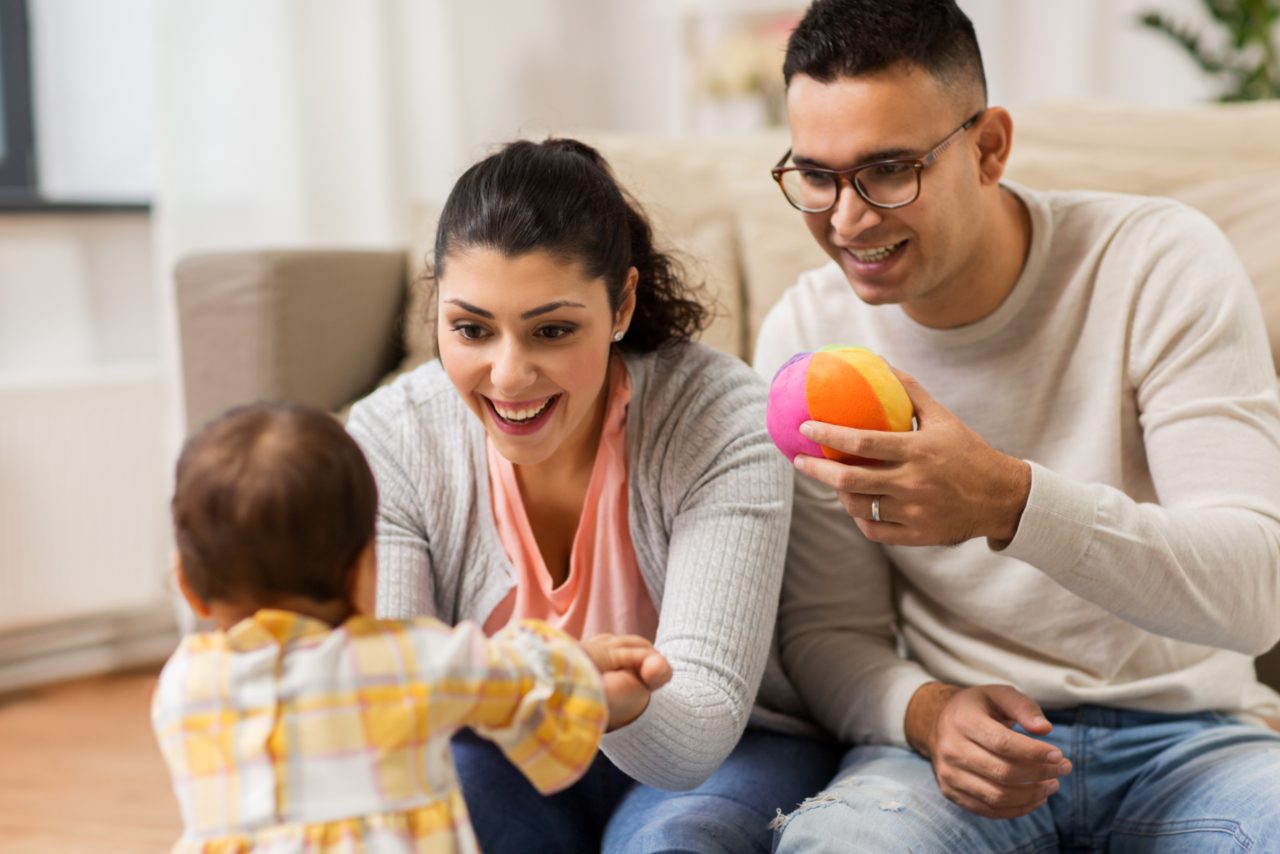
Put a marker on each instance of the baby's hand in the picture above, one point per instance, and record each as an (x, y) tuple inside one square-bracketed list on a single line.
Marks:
[(631, 670)]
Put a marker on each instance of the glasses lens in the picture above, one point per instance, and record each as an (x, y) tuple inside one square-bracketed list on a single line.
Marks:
[(889, 184), (809, 190)]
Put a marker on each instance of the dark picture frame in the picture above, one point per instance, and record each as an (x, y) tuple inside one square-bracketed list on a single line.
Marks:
[(18, 177)]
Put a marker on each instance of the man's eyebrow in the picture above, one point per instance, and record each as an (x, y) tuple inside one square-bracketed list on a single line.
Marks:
[(873, 157), (533, 312)]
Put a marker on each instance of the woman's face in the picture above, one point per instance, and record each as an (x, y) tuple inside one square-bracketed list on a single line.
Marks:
[(525, 341)]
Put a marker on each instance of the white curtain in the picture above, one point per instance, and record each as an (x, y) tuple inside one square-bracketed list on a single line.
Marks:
[(1044, 50)]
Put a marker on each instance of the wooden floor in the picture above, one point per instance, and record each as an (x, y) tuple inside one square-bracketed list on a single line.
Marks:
[(80, 771)]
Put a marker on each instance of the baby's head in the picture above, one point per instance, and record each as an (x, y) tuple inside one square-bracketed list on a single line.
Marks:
[(274, 504)]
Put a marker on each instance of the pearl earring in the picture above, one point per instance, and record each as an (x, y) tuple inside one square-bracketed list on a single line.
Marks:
[(617, 336)]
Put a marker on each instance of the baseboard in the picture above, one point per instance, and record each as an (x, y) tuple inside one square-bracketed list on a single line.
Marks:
[(86, 646)]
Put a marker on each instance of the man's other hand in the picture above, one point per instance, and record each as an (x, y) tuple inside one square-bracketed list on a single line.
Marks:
[(981, 763)]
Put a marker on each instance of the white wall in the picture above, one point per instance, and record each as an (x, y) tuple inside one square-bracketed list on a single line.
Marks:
[(76, 293), (93, 73)]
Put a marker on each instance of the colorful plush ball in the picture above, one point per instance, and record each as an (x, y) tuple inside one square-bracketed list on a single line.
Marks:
[(850, 386)]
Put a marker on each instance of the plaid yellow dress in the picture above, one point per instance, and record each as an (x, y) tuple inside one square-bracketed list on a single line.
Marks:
[(286, 735)]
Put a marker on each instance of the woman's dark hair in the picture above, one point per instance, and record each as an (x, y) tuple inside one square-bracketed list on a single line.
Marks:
[(272, 498), (850, 38), (559, 196)]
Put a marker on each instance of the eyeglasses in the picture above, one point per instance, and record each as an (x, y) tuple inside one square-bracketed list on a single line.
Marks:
[(884, 184)]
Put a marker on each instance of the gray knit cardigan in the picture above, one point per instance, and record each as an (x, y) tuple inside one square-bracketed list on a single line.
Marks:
[(710, 506)]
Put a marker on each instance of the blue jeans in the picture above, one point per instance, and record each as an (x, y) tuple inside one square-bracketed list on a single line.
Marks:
[(607, 811), (1141, 782)]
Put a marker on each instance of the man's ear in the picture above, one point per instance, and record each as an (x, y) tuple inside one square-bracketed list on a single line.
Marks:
[(995, 141), (198, 606), (362, 580)]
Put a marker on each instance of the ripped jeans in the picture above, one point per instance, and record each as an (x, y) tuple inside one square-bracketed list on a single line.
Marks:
[(1141, 782)]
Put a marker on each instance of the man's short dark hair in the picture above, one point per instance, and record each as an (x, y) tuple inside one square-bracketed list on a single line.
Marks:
[(850, 38), (271, 499)]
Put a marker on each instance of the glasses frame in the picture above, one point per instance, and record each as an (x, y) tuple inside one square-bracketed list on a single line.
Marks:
[(850, 176)]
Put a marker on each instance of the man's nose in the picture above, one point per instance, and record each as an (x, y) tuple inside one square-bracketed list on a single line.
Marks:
[(851, 214)]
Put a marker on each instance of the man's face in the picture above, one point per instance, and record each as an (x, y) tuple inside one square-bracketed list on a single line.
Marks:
[(919, 256)]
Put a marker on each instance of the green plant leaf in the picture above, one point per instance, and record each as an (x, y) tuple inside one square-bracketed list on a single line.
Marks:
[(1250, 64)]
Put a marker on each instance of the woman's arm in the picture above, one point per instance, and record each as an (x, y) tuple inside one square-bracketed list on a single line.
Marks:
[(406, 582), (710, 482)]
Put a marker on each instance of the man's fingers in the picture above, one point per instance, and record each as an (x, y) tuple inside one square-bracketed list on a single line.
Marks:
[(1016, 707), (1000, 771), (977, 807), (924, 403), (882, 445), (996, 796), (1011, 746), (866, 480)]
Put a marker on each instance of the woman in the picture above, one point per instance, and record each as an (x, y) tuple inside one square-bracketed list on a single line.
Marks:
[(573, 456)]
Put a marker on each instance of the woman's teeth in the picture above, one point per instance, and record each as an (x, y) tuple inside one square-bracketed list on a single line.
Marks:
[(878, 254), (518, 415)]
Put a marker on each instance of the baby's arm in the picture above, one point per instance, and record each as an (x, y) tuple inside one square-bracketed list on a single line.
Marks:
[(541, 701)]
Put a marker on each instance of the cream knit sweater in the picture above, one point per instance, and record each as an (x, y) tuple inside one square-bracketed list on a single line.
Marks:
[(1130, 366)]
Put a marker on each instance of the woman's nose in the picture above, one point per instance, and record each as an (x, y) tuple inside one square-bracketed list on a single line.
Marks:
[(512, 370)]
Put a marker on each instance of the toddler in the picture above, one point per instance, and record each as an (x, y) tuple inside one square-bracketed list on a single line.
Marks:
[(301, 724)]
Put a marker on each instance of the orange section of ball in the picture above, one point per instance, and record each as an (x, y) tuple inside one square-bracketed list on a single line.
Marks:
[(838, 393)]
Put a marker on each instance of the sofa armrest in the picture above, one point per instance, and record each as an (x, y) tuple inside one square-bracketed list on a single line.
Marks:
[(314, 326)]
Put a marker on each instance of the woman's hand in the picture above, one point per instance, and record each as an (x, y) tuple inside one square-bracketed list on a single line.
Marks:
[(631, 670)]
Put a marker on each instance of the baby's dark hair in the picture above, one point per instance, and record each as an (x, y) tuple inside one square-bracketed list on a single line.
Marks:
[(850, 38), (561, 197), (272, 499)]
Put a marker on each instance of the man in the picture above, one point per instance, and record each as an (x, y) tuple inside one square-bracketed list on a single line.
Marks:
[(1079, 549)]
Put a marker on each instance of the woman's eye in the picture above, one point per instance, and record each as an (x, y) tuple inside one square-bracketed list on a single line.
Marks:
[(555, 332), (469, 331)]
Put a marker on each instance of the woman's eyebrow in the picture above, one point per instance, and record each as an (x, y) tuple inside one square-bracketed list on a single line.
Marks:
[(533, 312), (468, 307), (550, 307)]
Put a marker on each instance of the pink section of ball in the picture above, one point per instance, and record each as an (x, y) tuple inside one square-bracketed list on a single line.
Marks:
[(788, 409)]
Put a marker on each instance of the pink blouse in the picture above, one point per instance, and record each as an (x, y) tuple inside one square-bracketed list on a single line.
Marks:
[(604, 591)]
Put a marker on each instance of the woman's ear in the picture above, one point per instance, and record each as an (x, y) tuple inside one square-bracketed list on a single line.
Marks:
[(362, 581), (627, 305), (198, 606)]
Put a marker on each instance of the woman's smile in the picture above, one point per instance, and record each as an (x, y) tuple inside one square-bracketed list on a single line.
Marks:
[(521, 419)]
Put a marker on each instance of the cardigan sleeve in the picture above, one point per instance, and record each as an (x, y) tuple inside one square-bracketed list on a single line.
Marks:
[(725, 499), (406, 580)]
